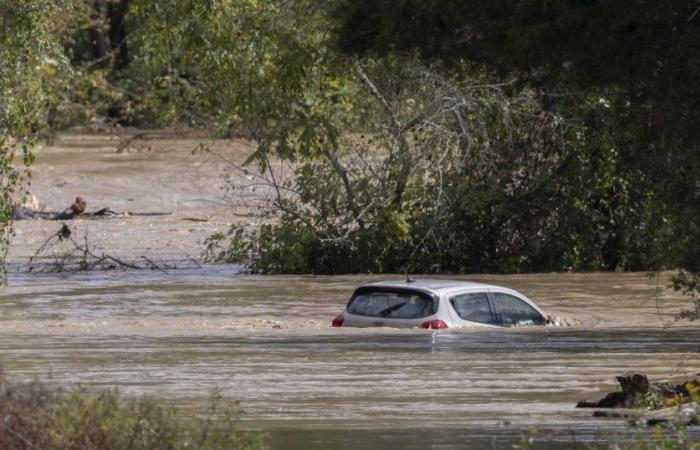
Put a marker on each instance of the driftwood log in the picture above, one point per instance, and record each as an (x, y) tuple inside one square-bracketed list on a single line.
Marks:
[(77, 210)]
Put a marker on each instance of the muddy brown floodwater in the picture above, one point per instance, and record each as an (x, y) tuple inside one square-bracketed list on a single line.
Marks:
[(267, 341)]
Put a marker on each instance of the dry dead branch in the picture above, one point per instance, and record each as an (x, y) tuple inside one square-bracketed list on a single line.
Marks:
[(62, 252)]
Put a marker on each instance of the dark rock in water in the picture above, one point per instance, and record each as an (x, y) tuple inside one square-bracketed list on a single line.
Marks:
[(612, 400), (642, 402), (634, 384), (587, 404), (634, 387), (617, 400)]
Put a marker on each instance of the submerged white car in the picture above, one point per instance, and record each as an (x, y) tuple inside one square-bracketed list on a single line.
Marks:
[(438, 304)]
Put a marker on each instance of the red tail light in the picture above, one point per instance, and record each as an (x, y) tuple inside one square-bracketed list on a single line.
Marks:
[(338, 321), (434, 324)]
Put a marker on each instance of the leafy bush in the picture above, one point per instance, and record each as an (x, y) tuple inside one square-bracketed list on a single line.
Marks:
[(37, 415), (650, 401), (451, 175), (31, 63)]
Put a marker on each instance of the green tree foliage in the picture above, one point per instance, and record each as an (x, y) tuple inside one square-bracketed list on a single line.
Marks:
[(426, 136), (641, 57), (30, 66), (228, 66), (453, 174), (445, 170)]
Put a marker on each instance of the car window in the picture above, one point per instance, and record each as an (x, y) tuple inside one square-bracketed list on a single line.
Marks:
[(514, 311), (473, 307), (391, 305)]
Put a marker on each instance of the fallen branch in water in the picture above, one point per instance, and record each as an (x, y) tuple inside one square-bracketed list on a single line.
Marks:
[(71, 255), (77, 210)]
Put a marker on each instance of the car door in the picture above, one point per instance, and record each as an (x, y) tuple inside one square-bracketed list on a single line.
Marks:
[(511, 310), (472, 308)]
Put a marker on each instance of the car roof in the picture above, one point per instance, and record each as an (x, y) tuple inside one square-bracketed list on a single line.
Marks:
[(434, 286)]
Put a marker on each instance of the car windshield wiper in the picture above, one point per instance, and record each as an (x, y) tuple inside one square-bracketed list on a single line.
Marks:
[(391, 309)]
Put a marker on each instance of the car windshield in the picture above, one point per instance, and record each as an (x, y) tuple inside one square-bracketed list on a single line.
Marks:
[(392, 304)]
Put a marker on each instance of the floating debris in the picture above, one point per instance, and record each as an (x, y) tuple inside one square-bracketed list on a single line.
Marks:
[(30, 210), (650, 403)]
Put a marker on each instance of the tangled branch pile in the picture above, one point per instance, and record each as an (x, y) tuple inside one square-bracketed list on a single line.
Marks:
[(62, 252)]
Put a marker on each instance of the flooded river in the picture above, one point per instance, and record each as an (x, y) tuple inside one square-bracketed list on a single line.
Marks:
[(267, 342)]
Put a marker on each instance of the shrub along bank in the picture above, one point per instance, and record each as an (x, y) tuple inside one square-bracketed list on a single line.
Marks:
[(40, 416)]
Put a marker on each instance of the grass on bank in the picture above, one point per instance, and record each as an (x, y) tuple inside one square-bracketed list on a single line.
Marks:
[(36, 415)]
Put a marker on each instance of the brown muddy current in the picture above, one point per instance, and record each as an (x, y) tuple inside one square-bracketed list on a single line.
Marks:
[(267, 341)]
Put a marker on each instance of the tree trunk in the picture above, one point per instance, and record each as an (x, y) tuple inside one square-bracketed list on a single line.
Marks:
[(97, 34), (117, 32)]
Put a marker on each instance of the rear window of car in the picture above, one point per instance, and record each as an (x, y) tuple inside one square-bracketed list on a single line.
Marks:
[(392, 304)]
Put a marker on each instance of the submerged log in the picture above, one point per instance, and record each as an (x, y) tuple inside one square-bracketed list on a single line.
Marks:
[(25, 213), (77, 210)]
